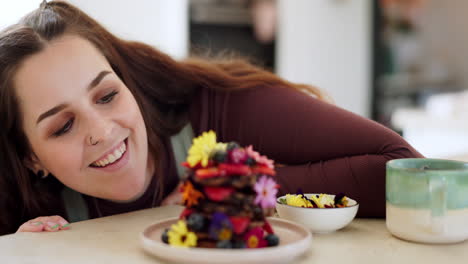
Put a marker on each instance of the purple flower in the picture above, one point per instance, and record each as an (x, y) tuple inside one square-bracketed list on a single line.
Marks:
[(266, 189), (301, 193), (220, 227)]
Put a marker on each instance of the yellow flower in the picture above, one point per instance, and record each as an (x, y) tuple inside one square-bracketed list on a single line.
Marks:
[(179, 235), (252, 242), (225, 234), (202, 148), (322, 200), (297, 200), (344, 202)]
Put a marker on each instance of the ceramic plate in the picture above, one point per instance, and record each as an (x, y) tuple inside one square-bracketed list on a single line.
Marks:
[(294, 241)]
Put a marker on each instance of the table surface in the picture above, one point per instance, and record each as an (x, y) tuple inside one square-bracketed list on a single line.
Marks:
[(115, 239)]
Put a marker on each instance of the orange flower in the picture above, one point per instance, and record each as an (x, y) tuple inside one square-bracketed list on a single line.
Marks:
[(190, 195)]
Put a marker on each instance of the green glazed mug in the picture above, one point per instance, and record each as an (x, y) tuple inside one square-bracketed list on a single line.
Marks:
[(427, 200)]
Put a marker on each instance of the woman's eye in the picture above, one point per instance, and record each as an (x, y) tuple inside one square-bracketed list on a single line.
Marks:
[(107, 98), (68, 125)]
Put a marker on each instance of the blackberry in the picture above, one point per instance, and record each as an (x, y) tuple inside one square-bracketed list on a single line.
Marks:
[(239, 244), (232, 210), (272, 240), (220, 156), (165, 237), (250, 162), (258, 213), (224, 244), (196, 222), (232, 145)]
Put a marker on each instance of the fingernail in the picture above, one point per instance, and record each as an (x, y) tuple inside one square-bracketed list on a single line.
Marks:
[(65, 226), (52, 225), (36, 223)]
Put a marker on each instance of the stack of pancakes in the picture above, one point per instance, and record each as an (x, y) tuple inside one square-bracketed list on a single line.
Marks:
[(222, 204)]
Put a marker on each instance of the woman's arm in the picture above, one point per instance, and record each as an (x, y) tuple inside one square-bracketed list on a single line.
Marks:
[(325, 149)]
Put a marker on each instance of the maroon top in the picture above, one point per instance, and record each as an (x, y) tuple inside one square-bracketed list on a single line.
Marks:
[(317, 146)]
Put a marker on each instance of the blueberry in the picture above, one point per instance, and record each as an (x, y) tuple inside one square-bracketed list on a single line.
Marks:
[(196, 222), (232, 145), (250, 161), (258, 212), (239, 244), (220, 156), (272, 240), (165, 237), (224, 244)]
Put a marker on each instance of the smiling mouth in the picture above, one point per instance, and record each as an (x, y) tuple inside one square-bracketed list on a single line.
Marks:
[(111, 158)]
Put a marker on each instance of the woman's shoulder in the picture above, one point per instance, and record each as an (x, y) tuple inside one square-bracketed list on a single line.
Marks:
[(213, 97), (210, 108)]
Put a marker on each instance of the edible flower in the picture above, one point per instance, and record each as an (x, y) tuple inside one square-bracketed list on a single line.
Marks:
[(341, 200), (266, 189), (190, 195), (297, 200), (258, 158), (254, 238), (179, 235), (323, 200), (238, 156), (315, 201), (202, 148), (221, 227)]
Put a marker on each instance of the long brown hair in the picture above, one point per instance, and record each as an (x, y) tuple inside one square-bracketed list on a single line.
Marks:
[(162, 87)]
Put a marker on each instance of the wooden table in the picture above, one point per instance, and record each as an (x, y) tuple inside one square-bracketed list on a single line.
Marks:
[(115, 240)]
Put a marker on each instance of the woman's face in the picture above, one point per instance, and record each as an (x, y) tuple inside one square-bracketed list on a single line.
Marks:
[(82, 122)]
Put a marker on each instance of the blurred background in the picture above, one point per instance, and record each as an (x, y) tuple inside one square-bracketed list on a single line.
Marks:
[(402, 63)]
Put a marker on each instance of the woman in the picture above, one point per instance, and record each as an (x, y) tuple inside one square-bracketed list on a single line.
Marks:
[(92, 125)]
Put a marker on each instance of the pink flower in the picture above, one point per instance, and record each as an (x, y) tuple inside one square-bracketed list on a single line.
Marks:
[(259, 159), (238, 156), (254, 238), (266, 189)]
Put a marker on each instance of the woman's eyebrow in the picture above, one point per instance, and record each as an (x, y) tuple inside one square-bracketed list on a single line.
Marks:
[(51, 112), (98, 79), (54, 110)]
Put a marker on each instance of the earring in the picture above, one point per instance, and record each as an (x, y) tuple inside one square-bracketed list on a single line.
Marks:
[(41, 175)]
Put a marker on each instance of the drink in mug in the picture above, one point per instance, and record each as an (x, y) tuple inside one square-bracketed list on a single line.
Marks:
[(427, 200)]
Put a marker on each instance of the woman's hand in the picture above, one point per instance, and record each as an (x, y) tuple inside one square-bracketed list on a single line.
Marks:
[(45, 224), (175, 197)]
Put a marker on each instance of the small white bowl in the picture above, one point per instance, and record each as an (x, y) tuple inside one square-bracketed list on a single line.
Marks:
[(319, 220)]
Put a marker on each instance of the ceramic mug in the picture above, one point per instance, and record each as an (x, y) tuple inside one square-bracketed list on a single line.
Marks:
[(427, 200)]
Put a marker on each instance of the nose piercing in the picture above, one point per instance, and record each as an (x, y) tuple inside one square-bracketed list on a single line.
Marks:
[(91, 141)]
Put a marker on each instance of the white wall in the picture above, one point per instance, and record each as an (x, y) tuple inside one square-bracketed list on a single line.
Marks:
[(161, 23), (12, 11), (327, 43), (444, 35)]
